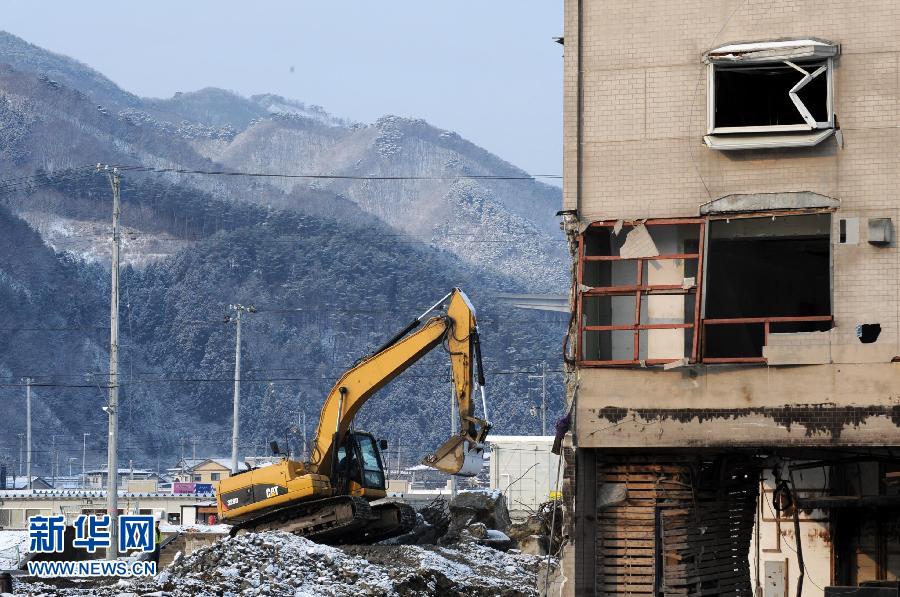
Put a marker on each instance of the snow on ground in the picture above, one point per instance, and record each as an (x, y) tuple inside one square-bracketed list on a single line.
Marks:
[(194, 528), (13, 546), (276, 563)]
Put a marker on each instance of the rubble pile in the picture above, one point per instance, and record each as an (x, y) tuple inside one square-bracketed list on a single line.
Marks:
[(276, 563)]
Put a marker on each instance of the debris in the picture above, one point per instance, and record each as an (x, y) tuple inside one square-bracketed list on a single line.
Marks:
[(683, 362), (535, 545), (487, 507), (276, 563), (638, 243)]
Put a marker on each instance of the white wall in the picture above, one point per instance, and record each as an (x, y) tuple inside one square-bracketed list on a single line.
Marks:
[(525, 470), (777, 542)]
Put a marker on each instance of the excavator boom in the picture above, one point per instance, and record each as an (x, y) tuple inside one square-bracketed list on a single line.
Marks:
[(457, 331)]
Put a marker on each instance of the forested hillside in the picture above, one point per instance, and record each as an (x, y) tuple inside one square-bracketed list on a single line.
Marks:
[(334, 265)]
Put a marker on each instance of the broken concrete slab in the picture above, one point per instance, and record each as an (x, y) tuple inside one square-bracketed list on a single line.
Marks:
[(675, 364), (797, 355), (470, 509), (739, 203), (638, 243), (798, 348)]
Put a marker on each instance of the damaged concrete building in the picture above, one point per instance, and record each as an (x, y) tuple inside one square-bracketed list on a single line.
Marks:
[(731, 198)]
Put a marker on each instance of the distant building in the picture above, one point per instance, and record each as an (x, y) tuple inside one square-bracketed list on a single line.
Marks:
[(203, 470), (17, 506), (22, 483), (97, 478)]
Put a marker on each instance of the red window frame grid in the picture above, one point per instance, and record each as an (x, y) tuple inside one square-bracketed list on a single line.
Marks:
[(638, 290)]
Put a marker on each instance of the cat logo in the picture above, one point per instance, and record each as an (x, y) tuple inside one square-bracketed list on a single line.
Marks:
[(271, 491)]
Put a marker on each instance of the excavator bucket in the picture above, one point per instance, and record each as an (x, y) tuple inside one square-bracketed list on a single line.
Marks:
[(459, 456)]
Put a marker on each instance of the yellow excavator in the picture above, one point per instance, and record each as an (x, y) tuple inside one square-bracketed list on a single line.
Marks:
[(329, 498)]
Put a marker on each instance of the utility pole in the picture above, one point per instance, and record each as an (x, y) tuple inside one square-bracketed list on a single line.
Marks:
[(71, 458), (543, 378), (235, 429), (84, 437), (28, 430), (55, 467), (21, 436), (194, 449), (112, 455)]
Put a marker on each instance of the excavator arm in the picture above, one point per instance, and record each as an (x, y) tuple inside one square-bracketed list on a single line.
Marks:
[(457, 331)]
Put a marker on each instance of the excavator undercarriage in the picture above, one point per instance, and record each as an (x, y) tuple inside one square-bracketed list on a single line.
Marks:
[(341, 519)]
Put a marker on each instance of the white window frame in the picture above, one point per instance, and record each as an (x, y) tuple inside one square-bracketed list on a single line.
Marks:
[(808, 74), (811, 58)]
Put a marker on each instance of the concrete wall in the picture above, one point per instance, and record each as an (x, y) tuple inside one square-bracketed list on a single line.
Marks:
[(635, 102), (739, 405)]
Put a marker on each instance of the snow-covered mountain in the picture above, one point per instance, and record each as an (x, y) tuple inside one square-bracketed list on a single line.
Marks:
[(57, 113)]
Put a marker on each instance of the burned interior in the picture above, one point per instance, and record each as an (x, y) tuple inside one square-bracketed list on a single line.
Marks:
[(765, 275)]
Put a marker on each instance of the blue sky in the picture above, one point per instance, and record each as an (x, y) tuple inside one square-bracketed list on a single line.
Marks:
[(488, 70)]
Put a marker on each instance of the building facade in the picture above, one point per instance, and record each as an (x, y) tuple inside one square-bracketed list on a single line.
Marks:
[(730, 202), (17, 506)]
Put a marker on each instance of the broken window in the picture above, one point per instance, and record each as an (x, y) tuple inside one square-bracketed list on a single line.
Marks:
[(764, 275), (638, 292), (774, 94)]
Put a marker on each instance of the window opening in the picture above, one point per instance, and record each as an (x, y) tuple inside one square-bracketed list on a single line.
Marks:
[(764, 275), (638, 292), (770, 94), (782, 95), (373, 474)]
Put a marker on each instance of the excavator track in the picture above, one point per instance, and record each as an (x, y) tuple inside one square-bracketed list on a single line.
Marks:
[(394, 519), (331, 520)]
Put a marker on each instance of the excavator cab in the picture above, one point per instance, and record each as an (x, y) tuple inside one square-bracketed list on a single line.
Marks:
[(359, 468)]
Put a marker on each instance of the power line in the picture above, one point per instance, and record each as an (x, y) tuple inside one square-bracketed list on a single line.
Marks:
[(50, 178), (334, 176), (436, 375)]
